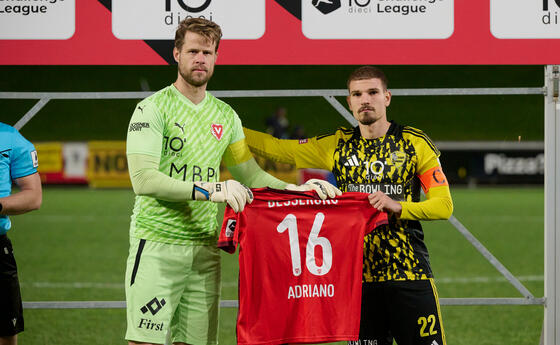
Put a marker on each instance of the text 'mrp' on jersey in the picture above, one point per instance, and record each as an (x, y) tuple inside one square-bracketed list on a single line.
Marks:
[(18, 158), (300, 264), (189, 141), (398, 164)]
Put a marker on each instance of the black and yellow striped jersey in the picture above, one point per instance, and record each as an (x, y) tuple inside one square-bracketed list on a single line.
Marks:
[(398, 164)]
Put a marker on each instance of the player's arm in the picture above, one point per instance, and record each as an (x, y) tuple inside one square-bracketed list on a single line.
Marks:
[(438, 203), (316, 152), (244, 168), (147, 180), (28, 198), (143, 151), (23, 169)]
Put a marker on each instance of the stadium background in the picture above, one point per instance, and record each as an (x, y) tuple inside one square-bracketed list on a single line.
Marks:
[(75, 246)]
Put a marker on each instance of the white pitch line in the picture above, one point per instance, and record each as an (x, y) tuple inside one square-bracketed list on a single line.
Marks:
[(72, 285), (494, 279), (93, 285), (509, 218), (72, 218)]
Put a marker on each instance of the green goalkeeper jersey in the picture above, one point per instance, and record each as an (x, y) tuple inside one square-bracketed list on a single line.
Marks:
[(189, 141)]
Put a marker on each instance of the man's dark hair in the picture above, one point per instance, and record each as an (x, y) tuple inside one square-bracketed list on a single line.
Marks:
[(368, 72)]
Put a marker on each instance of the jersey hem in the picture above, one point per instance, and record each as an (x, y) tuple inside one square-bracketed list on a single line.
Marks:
[(210, 241), (304, 340), (397, 280)]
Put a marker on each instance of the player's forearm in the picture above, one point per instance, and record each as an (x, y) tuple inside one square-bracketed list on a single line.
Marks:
[(250, 174), (265, 145), (29, 197), (147, 180), (21, 202), (438, 205)]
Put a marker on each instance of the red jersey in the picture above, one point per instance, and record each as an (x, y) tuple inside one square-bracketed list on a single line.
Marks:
[(300, 265)]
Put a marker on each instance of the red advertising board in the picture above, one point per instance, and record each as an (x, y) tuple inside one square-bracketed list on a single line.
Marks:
[(285, 32)]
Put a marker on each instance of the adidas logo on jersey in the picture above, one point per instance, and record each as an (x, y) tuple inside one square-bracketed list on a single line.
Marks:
[(352, 161), (434, 343)]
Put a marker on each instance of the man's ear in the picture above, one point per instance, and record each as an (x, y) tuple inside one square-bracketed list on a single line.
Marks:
[(387, 98), (176, 53)]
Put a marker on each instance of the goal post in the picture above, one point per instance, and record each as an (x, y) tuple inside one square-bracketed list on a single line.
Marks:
[(551, 330)]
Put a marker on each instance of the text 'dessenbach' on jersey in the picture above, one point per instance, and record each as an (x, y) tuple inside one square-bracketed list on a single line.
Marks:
[(378, 19)]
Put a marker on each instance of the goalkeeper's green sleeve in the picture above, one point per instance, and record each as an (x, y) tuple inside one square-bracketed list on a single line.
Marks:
[(250, 174), (149, 181)]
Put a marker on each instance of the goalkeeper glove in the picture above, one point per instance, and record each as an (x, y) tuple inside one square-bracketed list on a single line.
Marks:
[(230, 191), (323, 188)]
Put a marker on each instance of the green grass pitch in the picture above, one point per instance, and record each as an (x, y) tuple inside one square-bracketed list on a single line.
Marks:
[(74, 249)]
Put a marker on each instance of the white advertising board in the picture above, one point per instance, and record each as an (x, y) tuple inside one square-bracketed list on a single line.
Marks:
[(158, 20), (37, 20), (525, 19), (377, 19)]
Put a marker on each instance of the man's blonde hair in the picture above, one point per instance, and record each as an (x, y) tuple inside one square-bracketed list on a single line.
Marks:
[(204, 27)]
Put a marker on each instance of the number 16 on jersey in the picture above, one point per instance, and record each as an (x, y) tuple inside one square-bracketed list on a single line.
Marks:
[(290, 223)]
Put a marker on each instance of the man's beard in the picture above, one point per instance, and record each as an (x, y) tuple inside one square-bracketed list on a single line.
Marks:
[(196, 82), (367, 120)]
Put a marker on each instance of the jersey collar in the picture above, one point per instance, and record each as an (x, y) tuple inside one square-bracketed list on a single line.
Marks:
[(394, 130), (187, 101)]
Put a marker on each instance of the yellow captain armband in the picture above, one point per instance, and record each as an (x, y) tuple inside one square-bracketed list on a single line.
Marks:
[(237, 153)]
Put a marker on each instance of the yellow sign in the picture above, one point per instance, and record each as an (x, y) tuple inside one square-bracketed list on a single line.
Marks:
[(107, 165), (50, 157)]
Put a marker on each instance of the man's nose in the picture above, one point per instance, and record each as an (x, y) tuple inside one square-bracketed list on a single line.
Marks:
[(200, 58)]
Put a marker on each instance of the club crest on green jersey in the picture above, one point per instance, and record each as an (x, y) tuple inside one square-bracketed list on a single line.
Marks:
[(217, 131)]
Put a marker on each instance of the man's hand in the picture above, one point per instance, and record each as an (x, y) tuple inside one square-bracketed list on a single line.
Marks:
[(383, 203), (230, 191), (323, 188)]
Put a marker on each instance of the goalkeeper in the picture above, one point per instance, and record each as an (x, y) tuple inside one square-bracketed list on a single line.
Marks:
[(392, 162), (176, 140)]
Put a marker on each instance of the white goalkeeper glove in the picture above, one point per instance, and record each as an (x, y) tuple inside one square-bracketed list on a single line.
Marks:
[(323, 188), (230, 191)]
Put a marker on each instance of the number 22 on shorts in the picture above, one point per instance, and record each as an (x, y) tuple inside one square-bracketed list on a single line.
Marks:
[(424, 323)]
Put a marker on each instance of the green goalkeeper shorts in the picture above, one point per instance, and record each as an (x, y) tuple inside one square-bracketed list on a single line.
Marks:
[(172, 288)]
